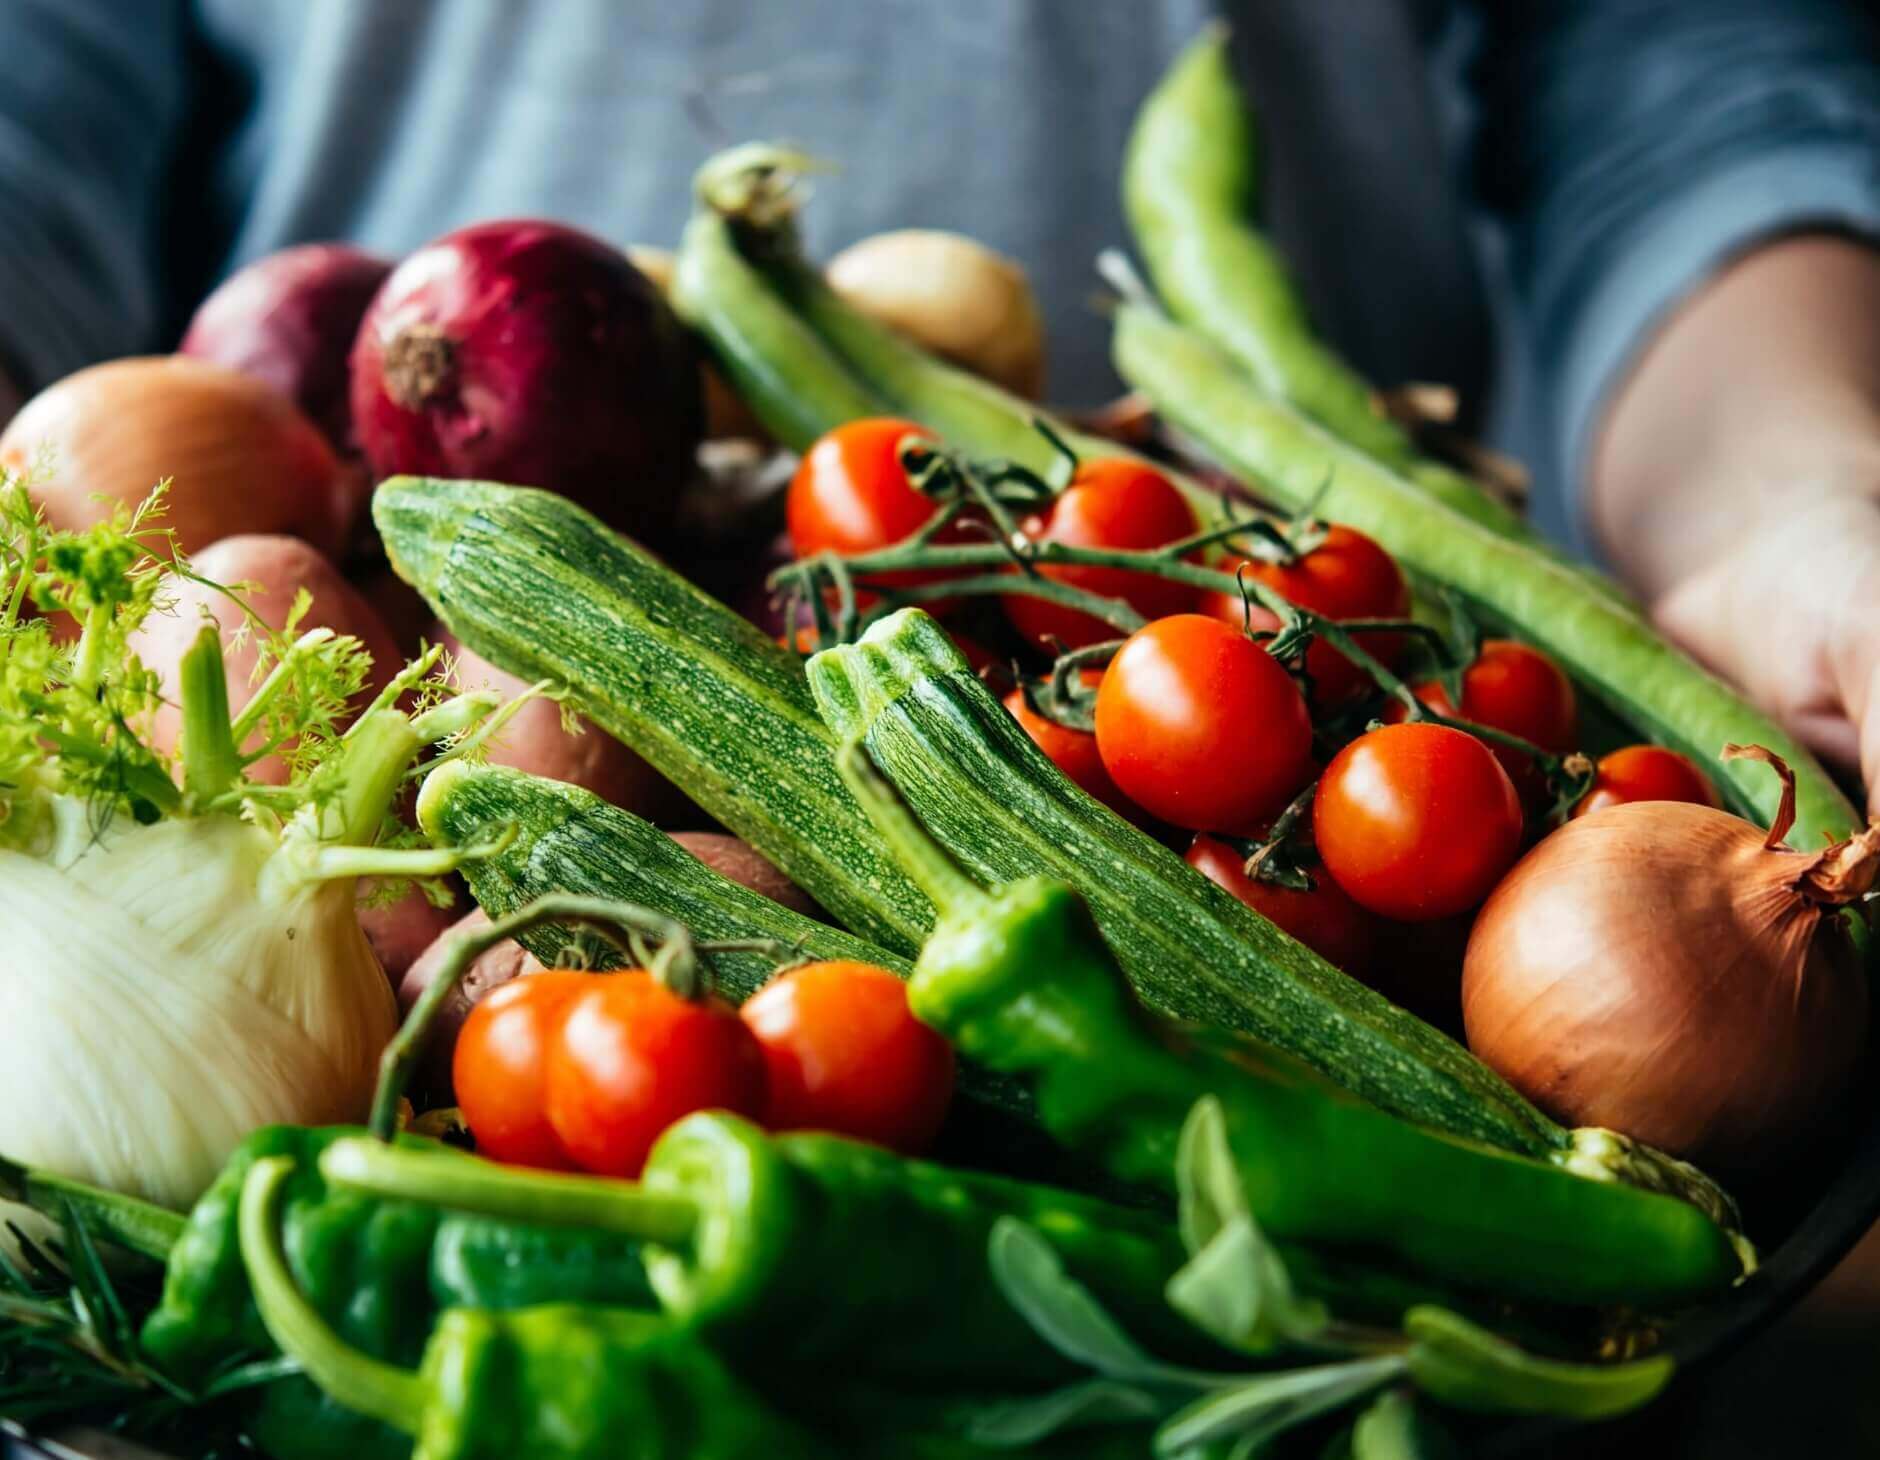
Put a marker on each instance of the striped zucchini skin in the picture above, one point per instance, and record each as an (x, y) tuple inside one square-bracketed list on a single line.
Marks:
[(996, 803), (569, 840), (538, 586), (1608, 647)]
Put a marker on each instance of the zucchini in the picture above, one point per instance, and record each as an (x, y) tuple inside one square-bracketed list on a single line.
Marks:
[(541, 588), (1608, 647), (997, 804)]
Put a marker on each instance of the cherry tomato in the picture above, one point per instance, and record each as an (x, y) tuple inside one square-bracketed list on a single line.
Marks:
[(1416, 821), (1325, 919), (1647, 773), (633, 1057), (1346, 576), (1072, 751), (851, 494), (1110, 503), (844, 1053), (500, 1067), (1200, 726), (1518, 689)]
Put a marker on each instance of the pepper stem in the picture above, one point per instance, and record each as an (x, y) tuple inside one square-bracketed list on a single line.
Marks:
[(384, 1392), (467, 1184), (212, 759), (923, 858), (124, 1221)]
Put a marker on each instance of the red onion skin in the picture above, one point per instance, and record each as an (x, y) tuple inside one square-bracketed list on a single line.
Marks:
[(289, 319), (1720, 1027), (530, 353)]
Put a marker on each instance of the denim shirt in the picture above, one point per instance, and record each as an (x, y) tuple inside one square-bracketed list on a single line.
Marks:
[(1618, 150)]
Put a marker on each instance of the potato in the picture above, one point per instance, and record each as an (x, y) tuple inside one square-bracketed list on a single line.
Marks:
[(744, 864), (278, 568), (401, 931), (534, 741)]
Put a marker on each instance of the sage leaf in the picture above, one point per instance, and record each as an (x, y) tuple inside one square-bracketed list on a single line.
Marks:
[(1016, 1423), (1392, 1427), (1255, 1410)]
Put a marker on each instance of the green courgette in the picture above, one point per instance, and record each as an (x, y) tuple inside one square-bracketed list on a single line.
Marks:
[(997, 804), (541, 588), (1607, 647)]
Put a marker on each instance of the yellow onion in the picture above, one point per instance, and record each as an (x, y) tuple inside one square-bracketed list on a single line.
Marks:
[(1672, 972), (240, 455), (953, 295)]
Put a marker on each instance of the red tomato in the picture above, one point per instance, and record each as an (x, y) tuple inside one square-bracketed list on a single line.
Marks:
[(1647, 773), (1325, 919), (1072, 751), (845, 1054), (633, 1057), (1346, 576), (851, 494), (1110, 503), (1515, 688), (1200, 726), (1416, 821), (500, 1067)]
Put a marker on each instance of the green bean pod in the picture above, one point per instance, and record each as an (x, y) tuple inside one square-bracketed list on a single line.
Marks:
[(1608, 647)]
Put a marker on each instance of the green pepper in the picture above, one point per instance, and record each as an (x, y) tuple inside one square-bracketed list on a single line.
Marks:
[(820, 1249), (1021, 980), (380, 1270)]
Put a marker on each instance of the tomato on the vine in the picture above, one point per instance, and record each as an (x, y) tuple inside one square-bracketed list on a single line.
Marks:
[(1324, 917), (851, 494), (1344, 576), (1072, 751), (1200, 726), (633, 1057), (1112, 502), (1646, 773), (499, 1068), (1514, 688), (844, 1053), (1416, 821)]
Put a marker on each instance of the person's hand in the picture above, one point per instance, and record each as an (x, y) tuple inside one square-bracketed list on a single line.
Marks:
[(1737, 486)]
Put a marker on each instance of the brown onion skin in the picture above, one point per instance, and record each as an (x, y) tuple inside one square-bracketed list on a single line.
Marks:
[(240, 456), (1652, 968), (530, 353), (289, 320)]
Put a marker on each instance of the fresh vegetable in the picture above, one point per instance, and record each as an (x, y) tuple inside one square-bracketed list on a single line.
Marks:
[(1333, 570), (1416, 822), (240, 458), (488, 972), (851, 494), (182, 956), (1072, 751), (1108, 504), (1608, 649), (632, 1055), (1646, 773), (1321, 916), (500, 1063), (527, 352), (951, 294), (842, 1053), (1191, 949), (727, 418), (1191, 192), (1513, 687), (540, 587), (1669, 970), (377, 1270), (287, 588), (743, 1234), (538, 739), (1199, 725), (748, 867), (1020, 978), (289, 320)]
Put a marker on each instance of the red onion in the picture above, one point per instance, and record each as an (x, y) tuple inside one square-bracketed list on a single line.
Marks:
[(530, 353), (289, 319)]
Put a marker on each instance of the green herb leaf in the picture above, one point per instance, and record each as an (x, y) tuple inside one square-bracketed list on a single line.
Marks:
[(1017, 1423), (1392, 1427), (1255, 1410), (1067, 1315), (1460, 1364), (1234, 1286)]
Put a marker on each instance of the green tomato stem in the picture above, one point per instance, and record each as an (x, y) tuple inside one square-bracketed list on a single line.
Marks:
[(394, 1396)]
